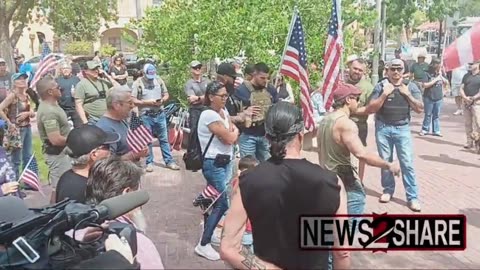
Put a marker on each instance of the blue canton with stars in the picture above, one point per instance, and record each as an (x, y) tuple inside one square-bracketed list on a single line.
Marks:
[(297, 41), (333, 26)]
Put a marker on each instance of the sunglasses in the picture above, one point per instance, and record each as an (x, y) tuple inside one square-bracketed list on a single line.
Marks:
[(197, 67), (398, 69), (357, 98)]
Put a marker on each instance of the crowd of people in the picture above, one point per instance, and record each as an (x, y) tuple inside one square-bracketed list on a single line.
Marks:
[(248, 129)]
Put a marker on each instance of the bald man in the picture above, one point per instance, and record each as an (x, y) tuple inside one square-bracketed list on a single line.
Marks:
[(53, 128)]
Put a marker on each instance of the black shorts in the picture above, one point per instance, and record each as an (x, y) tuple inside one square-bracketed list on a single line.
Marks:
[(362, 132)]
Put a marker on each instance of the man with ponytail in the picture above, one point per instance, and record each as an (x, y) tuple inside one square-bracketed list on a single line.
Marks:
[(338, 138), (274, 194)]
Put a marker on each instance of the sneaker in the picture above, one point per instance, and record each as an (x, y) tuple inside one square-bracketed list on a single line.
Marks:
[(437, 134), (149, 168), (173, 166), (422, 133), (468, 146), (458, 112), (414, 205), (385, 198), (207, 252)]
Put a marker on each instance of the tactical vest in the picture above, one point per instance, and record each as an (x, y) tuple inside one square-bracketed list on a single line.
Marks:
[(261, 98), (395, 108)]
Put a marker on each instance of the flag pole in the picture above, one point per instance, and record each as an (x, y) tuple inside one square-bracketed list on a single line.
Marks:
[(289, 35)]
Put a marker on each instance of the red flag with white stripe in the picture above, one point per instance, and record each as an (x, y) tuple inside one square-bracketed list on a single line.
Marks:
[(294, 66), (138, 136), (463, 50), (332, 56), (46, 64)]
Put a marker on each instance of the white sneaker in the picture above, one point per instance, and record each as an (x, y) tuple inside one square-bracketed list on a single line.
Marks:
[(207, 252), (458, 112)]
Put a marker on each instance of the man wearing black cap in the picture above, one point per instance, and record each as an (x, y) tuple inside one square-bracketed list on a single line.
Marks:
[(86, 144), (226, 74), (392, 102), (338, 139)]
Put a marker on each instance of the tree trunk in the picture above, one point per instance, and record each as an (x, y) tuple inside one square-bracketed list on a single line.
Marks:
[(6, 49)]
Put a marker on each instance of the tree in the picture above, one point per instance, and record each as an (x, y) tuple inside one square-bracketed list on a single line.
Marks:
[(469, 8), (75, 19), (183, 30)]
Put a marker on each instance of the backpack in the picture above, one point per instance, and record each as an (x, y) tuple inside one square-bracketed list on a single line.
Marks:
[(194, 157)]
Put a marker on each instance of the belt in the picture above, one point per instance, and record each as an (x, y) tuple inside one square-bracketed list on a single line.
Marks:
[(152, 112)]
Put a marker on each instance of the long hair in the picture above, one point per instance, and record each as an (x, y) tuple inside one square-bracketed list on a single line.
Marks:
[(212, 89), (282, 124)]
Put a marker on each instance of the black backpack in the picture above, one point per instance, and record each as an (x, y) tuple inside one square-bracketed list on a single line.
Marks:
[(194, 157)]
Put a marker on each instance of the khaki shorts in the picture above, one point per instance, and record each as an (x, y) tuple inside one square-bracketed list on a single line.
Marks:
[(57, 165)]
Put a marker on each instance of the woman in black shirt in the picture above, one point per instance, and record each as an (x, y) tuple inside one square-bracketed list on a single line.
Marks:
[(275, 194)]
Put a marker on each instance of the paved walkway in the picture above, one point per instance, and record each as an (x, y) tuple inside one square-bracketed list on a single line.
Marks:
[(448, 182)]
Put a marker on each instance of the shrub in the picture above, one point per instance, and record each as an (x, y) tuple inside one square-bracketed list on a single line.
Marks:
[(107, 50), (79, 48)]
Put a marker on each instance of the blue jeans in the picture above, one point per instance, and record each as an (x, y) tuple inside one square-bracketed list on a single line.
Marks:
[(432, 113), (23, 155), (217, 177), (257, 146), (158, 125), (388, 137)]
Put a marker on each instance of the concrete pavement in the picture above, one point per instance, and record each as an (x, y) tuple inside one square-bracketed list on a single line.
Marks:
[(447, 175)]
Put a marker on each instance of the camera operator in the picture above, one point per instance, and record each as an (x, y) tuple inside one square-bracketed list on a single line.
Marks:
[(112, 177), (85, 145)]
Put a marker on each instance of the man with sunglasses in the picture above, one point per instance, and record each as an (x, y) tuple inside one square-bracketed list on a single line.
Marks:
[(338, 139), (85, 145), (392, 101), (195, 90), (53, 128), (470, 93)]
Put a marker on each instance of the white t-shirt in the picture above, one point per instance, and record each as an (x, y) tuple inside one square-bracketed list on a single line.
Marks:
[(216, 147), (457, 75)]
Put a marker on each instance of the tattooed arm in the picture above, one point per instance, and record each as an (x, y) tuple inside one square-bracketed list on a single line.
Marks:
[(231, 249)]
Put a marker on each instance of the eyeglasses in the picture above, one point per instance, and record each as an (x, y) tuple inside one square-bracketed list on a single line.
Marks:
[(398, 69), (224, 96)]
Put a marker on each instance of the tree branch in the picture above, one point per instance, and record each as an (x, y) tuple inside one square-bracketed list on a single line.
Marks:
[(17, 33), (12, 9)]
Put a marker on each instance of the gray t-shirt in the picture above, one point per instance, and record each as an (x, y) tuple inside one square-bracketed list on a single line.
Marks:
[(378, 90), (196, 88), (5, 85), (121, 127), (156, 90)]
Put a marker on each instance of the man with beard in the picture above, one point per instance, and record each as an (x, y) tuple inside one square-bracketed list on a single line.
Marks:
[(113, 177), (67, 83), (356, 72), (338, 139), (85, 145)]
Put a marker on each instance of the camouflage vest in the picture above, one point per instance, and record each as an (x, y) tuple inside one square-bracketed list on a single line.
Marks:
[(261, 98)]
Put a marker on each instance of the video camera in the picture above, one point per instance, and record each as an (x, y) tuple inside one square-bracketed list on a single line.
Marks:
[(39, 240)]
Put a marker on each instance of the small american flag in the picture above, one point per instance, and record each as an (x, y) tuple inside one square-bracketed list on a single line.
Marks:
[(294, 65), (207, 198), (138, 136), (30, 175), (333, 54), (210, 192), (48, 62)]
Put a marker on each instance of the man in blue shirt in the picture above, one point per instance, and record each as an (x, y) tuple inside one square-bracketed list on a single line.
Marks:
[(257, 92), (392, 101)]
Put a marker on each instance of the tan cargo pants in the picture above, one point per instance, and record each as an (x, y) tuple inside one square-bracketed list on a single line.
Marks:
[(472, 120)]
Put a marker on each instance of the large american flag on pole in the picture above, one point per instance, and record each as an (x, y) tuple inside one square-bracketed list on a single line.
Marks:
[(48, 62), (138, 136), (464, 50), (294, 65), (333, 54), (30, 175)]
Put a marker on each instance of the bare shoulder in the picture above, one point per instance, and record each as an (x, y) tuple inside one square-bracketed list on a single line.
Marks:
[(345, 124)]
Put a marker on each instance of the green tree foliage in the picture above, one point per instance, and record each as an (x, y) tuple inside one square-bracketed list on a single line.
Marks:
[(79, 48), (79, 20), (107, 50), (183, 30), (469, 8)]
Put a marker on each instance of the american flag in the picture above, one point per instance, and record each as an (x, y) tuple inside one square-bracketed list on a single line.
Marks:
[(30, 175), (464, 50), (333, 53), (48, 62), (138, 136), (207, 198), (210, 192), (294, 65)]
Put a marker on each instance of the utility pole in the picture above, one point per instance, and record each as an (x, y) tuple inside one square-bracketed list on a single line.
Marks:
[(384, 29), (376, 42), (138, 9)]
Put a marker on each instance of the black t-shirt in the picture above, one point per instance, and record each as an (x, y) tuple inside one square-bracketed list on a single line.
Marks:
[(471, 84), (435, 92), (72, 186), (67, 100), (275, 196)]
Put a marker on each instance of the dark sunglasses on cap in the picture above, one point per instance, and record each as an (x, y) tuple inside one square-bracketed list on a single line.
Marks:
[(399, 69), (197, 67)]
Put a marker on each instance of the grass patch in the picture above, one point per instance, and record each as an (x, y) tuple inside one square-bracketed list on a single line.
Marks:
[(42, 166)]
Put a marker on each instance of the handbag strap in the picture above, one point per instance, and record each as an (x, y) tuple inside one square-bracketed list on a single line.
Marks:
[(208, 145)]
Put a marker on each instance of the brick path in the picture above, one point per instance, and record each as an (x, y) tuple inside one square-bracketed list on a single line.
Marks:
[(448, 182)]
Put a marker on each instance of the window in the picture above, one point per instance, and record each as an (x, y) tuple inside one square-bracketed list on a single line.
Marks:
[(115, 42)]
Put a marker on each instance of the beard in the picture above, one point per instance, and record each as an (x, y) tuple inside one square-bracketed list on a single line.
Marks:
[(138, 218)]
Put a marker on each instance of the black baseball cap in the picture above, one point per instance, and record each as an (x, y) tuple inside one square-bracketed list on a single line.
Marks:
[(84, 139), (226, 69)]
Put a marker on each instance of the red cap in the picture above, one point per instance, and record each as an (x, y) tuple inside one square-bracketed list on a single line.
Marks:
[(344, 90)]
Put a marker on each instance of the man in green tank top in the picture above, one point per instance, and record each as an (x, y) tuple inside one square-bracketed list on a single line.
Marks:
[(338, 138)]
